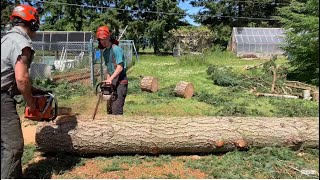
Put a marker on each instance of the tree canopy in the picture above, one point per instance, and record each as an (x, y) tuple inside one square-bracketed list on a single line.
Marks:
[(301, 21)]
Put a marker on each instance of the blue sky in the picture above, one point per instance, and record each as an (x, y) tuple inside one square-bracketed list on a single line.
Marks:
[(190, 10)]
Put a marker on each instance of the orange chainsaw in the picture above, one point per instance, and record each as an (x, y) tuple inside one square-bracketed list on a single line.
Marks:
[(44, 108)]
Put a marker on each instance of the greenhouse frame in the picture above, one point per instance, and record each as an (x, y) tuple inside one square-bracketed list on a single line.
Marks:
[(252, 42)]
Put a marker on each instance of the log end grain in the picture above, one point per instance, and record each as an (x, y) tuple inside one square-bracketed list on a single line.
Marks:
[(315, 96), (184, 89), (149, 84)]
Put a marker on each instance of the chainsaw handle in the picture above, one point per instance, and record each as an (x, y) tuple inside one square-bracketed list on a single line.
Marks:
[(98, 85), (55, 115)]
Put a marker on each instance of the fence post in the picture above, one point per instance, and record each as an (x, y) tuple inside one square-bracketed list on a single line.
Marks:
[(101, 64), (134, 47), (92, 58)]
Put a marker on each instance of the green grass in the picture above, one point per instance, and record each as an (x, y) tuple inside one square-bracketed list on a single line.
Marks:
[(258, 163), (209, 99), (28, 153), (114, 166)]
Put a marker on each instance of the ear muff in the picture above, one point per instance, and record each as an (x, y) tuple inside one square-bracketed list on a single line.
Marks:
[(34, 26), (114, 40)]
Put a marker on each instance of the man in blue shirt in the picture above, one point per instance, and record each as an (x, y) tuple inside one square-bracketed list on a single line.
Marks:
[(116, 68)]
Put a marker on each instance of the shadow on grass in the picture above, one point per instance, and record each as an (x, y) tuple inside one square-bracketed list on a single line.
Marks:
[(52, 164), (55, 161)]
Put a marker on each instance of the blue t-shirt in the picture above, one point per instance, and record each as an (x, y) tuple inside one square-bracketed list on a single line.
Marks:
[(113, 56)]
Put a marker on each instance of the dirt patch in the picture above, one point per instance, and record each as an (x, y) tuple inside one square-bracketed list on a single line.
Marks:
[(174, 169), (29, 131), (83, 77)]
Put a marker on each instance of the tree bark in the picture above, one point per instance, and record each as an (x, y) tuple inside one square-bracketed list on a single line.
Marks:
[(155, 135), (184, 89), (149, 84), (277, 95)]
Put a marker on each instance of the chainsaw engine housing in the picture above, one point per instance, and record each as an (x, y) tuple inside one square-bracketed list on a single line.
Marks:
[(44, 108), (107, 91)]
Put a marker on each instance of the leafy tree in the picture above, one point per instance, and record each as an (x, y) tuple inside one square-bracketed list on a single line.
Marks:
[(301, 21), (6, 10), (222, 15), (143, 18), (145, 23)]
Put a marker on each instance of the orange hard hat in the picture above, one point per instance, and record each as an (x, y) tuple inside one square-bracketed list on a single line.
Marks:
[(103, 32), (25, 12)]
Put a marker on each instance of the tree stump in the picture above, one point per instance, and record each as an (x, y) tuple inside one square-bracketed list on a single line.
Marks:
[(184, 89), (158, 135), (149, 84)]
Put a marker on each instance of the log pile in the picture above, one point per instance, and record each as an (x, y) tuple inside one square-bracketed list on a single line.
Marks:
[(157, 135)]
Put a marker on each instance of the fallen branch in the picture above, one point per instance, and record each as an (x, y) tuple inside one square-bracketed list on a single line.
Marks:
[(277, 95)]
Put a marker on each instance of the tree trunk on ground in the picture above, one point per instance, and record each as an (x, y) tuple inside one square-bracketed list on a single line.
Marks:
[(184, 89), (149, 84), (116, 135)]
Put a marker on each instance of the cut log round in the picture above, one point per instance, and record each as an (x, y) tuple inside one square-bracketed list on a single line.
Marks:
[(315, 96), (149, 84), (184, 89), (157, 135)]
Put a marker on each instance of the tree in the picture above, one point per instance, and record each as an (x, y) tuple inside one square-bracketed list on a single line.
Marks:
[(301, 21), (6, 10), (222, 15), (146, 21), (142, 18)]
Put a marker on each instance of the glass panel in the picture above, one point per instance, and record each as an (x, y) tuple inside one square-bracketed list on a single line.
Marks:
[(246, 48), (252, 48), (240, 48), (238, 39), (251, 39)]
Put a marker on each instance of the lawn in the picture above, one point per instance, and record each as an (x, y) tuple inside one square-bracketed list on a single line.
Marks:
[(209, 100)]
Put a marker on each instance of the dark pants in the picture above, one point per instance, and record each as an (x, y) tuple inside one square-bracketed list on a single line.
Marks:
[(116, 107), (11, 139)]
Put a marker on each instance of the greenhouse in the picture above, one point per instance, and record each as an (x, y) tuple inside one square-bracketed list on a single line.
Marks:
[(250, 42)]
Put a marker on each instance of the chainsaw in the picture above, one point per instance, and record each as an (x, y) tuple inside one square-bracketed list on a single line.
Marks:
[(44, 108), (106, 92)]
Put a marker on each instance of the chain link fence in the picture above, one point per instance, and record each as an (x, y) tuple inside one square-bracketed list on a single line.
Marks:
[(71, 56), (62, 62)]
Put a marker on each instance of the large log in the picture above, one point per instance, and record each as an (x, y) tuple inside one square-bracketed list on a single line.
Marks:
[(116, 135)]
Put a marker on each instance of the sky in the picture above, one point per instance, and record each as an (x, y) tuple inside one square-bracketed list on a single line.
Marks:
[(190, 10)]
